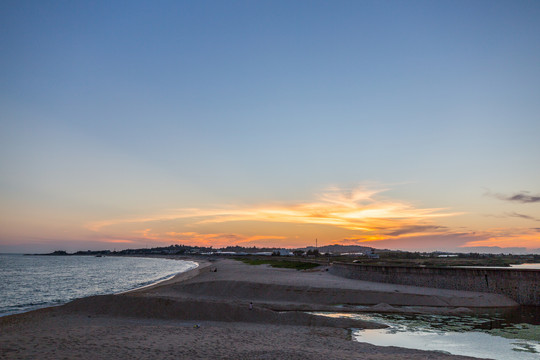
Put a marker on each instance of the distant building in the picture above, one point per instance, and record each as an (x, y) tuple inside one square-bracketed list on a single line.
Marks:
[(283, 252), (263, 253)]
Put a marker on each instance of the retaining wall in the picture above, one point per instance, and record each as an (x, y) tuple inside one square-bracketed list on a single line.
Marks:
[(522, 285)]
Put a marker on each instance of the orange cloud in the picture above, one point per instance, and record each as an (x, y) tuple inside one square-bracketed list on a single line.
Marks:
[(263, 237), (528, 238), (362, 213), (218, 239), (354, 210), (201, 239)]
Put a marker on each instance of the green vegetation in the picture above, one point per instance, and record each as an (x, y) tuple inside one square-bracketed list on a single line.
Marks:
[(298, 265)]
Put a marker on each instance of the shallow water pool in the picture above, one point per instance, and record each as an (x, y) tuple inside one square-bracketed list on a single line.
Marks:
[(480, 336)]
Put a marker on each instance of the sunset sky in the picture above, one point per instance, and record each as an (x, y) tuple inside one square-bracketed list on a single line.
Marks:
[(409, 125)]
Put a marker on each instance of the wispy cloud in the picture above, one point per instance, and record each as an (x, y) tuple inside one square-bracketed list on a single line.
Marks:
[(119, 241), (352, 216), (416, 230), (358, 210), (361, 211), (204, 239), (219, 239), (521, 197), (522, 216)]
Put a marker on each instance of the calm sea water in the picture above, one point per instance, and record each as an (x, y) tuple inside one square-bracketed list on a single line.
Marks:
[(31, 282)]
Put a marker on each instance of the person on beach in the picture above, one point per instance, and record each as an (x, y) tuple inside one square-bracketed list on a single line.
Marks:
[(250, 306)]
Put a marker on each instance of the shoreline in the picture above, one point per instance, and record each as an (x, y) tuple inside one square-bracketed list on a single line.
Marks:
[(142, 287), (139, 323), (170, 279)]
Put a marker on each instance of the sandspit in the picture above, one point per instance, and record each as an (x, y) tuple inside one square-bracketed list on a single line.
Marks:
[(205, 314)]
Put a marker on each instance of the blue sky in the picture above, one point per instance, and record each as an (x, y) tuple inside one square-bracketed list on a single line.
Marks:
[(140, 110)]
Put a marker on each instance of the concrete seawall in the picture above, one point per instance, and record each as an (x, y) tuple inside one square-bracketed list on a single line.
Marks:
[(521, 285)]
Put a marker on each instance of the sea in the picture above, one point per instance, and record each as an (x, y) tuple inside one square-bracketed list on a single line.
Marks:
[(29, 282)]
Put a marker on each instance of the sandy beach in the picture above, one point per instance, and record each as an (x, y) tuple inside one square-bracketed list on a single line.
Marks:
[(205, 314)]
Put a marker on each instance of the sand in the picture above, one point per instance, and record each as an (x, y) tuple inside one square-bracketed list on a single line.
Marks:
[(204, 314)]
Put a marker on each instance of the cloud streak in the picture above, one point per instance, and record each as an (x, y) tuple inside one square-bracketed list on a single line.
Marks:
[(522, 216), (220, 239), (363, 212), (353, 216), (522, 197)]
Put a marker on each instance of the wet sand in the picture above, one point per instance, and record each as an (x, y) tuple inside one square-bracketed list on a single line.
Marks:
[(204, 314)]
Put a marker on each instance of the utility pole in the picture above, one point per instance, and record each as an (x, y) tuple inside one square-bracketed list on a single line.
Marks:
[(316, 243)]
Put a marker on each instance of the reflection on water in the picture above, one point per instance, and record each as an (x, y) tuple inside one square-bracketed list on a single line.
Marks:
[(532, 266), (526, 266), (493, 336), (476, 344)]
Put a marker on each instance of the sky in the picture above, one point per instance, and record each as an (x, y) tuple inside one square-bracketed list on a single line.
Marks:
[(409, 125)]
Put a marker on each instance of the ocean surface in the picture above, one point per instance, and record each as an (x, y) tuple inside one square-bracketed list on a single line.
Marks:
[(32, 282)]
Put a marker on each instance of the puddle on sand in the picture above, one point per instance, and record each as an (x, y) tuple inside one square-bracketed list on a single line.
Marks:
[(480, 336)]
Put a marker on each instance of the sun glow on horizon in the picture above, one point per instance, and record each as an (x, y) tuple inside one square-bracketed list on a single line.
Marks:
[(361, 216), (508, 238), (357, 216)]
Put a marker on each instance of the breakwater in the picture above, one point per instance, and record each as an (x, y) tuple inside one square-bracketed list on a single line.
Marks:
[(521, 285)]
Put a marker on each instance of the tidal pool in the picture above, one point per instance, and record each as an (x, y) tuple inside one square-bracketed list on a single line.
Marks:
[(486, 336)]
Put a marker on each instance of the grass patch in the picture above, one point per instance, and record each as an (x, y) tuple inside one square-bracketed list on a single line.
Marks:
[(287, 264)]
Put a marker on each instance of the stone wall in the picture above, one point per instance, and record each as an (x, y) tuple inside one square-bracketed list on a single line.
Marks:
[(522, 285)]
